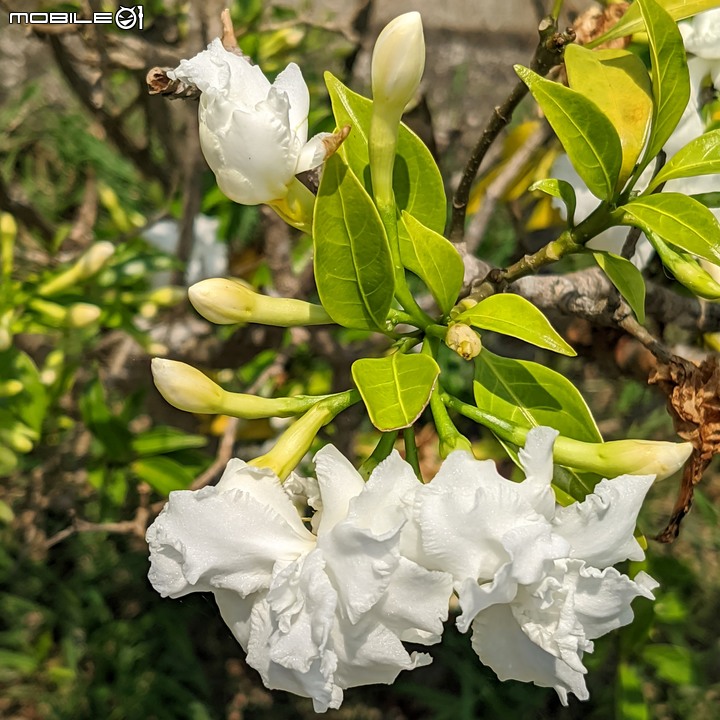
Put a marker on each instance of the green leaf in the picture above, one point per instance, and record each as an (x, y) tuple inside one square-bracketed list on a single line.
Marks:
[(630, 703), (632, 21), (560, 189), (165, 439), (513, 315), (395, 389), (417, 182), (618, 83), (669, 73), (588, 136), (433, 259), (527, 394), (626, 278), (700, 156), (29, 405), (672, 663), (677, 219), (708, 199), (162, 474), (353, 265)]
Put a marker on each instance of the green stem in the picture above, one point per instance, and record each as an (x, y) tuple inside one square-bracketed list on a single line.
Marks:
[(252, 407), (557, 9), (382, 450), (450, 438), (411, 451)]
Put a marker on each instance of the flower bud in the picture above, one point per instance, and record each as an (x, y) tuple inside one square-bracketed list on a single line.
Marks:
[(463, 340), (81, 315), (623, 457), (8, 233), (687, 270), (226, 301), (398, 62), (87, 265), (185, 387)]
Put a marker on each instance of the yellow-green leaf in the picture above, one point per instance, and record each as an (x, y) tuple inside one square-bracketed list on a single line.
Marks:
[(395, 389), (513, 315), (626, 278), (633, 22), (588, 136), (700, 156), (618, 83)]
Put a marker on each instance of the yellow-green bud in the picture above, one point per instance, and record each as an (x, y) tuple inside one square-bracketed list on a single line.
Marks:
[(623, 457), (87, 265), (10, 388), (185, 387), (81, 315), (168, 296), (227, 301), (687, 270), (463, 340), (398, 62)]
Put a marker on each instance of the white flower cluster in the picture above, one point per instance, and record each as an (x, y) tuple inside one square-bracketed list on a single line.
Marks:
[(701, 37), (326, 607)]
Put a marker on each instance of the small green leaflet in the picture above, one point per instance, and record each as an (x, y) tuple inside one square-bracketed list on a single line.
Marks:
[(677, 219), (527, 394), (632, 21), (395, 389), (626, 278), (669, 74), (562, 190), (433, 259), (588, 136), (700, 156), (513, 315), (353, 265), (417, 182)]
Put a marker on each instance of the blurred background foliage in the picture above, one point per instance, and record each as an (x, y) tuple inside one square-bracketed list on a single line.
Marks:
[(89, 451)]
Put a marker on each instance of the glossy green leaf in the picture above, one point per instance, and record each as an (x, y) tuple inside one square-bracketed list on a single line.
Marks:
[(686, 269), (396, 388), (632, 21), (560, 189), (417, 182), (527, 394), (677, 219), (669, 73), (433, 259), (588, 136), (163, 439), (513, 315), (163, 474), (618, 83), (626, 278), (353, 265), (708, 199), (700, 156)]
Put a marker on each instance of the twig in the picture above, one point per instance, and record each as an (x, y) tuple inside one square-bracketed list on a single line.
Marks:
[(547, 54)]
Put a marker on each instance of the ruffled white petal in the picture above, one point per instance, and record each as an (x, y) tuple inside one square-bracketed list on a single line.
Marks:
[(209, 539), (536, 460), (312, 154), (290, 81), (600, 529)]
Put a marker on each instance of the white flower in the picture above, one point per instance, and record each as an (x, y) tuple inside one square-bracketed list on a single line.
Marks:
[(534, 581), (253, 134), (317, 611)]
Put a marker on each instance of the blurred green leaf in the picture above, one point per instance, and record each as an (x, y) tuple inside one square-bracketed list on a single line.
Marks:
[(630, 702), (673, 663), (163, 474), (163, 439)]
